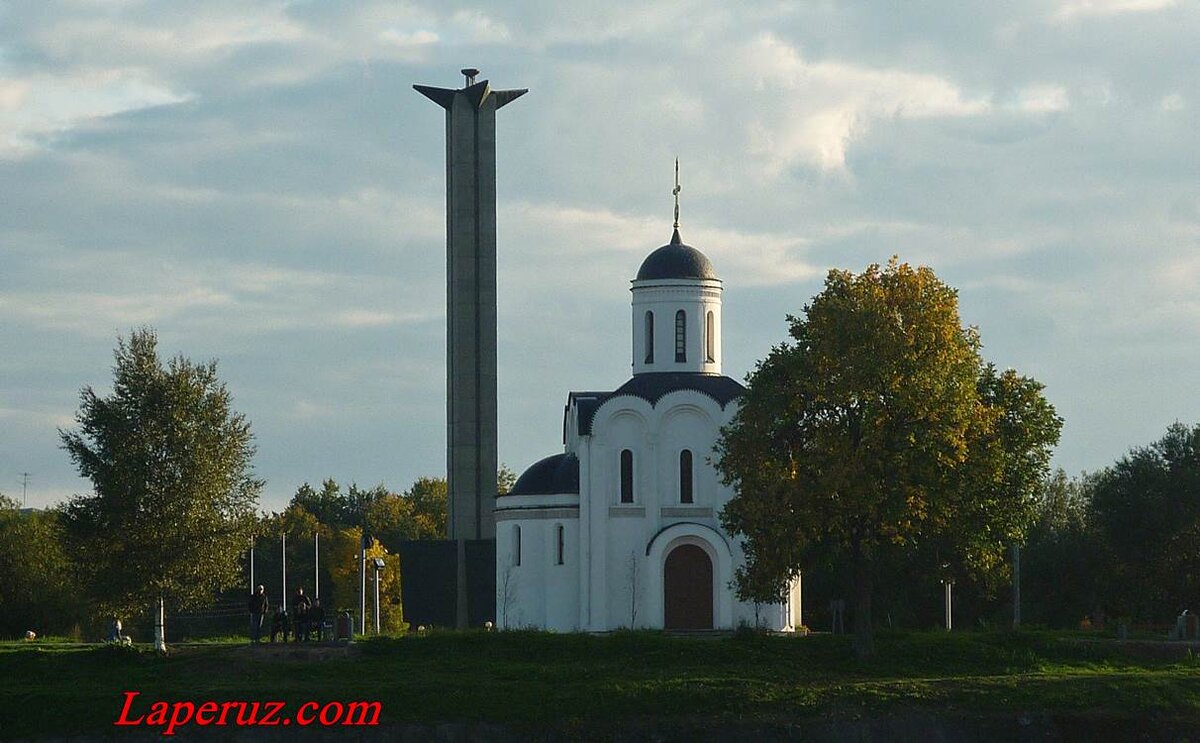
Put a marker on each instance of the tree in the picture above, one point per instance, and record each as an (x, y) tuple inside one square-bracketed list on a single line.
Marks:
[(879, 433), (391, 607), (428, 496), (174, 496), (327, 504), (37, 580), (1059, 565), (505, 479), (1146, 509)]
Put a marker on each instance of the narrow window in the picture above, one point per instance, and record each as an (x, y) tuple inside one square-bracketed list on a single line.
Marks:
[(649, 337), (685, 476), (516, 545), (710, 346), (626, 476), (559, 561), (680, 336)]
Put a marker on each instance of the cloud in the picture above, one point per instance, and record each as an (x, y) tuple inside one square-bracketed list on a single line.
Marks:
[(479, 27), (1075, 9), (1038, 99), (408, 38), (815, 109), (259, 181), (37, 418), (1172, 102), (40, 106)]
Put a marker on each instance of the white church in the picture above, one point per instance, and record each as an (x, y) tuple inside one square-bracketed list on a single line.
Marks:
[(622, 528)]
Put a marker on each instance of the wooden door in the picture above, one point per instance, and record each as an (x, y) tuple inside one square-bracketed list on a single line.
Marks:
[(688, 589)]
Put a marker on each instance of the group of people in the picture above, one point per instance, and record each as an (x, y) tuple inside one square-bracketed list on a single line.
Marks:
[(306, 619)]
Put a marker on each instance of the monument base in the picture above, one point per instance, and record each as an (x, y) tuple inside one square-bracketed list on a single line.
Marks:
[(429, 582)]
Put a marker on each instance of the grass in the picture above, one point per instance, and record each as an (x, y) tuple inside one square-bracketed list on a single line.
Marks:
[(532, 680)]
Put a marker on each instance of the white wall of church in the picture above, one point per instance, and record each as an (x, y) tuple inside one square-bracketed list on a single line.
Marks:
[(538, 590), (627, 589)]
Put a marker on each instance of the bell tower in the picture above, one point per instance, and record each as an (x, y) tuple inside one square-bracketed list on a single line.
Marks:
[(676, 309)]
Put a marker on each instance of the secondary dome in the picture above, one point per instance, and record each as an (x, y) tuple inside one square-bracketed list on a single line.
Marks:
[(556, 474), (676, 261)]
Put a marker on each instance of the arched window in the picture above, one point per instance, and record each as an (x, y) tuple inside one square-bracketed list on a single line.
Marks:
[(710, 339), (626, 476), (649, 337), (516, 546), (680, 336), (685, 476), (561, 537)]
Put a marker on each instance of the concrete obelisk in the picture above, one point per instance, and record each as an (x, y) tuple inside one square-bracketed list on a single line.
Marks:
[(470, 310)]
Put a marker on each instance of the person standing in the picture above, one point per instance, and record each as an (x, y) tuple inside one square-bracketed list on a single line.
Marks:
[(259, 603), (300, 606)]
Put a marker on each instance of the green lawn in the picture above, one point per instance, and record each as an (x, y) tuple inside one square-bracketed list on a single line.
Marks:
[(530, 681)]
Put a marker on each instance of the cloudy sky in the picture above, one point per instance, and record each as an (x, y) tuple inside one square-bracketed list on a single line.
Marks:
[(259, 182)]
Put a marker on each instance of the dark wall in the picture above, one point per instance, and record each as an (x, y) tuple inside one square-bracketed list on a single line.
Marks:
[(428, 570)]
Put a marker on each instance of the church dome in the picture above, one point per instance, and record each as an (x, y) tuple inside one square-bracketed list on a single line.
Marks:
[(556, 474), (676, 261)]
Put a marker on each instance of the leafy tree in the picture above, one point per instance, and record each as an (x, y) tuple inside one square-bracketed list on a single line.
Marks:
[(1147, 512), (390, 518), (430, 509), (174, 496), (342, 558), (1059, 565), (505, 479), (880, 432), (37, 578), (326, 504), (391, 607), (993, 498)]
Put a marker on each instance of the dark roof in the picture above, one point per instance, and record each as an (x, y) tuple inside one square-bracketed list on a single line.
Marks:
[(676, 261), (652, 388), (558, 473)]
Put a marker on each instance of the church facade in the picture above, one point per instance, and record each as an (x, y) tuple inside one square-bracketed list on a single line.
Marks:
[(622, 528)]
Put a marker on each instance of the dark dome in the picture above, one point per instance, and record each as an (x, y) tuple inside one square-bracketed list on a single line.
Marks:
[(556, 474), (676, 261)]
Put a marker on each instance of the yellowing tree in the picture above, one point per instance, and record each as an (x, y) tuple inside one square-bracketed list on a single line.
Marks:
[(879, 430), (391, 607)]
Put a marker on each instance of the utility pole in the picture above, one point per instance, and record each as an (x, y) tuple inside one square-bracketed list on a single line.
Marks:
[(24, 487)]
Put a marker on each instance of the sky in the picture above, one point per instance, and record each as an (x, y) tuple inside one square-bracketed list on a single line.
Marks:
[(259, 183)]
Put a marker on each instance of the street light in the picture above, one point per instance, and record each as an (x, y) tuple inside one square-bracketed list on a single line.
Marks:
[(948, 584), (379, 565)]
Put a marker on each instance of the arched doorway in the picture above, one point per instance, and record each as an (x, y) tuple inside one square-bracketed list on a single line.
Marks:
[(688, 589)]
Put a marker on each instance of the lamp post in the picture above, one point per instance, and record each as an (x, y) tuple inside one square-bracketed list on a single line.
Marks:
[(362, 586), (949, 584), (379, 565), (948, 587), (1016, 585)]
